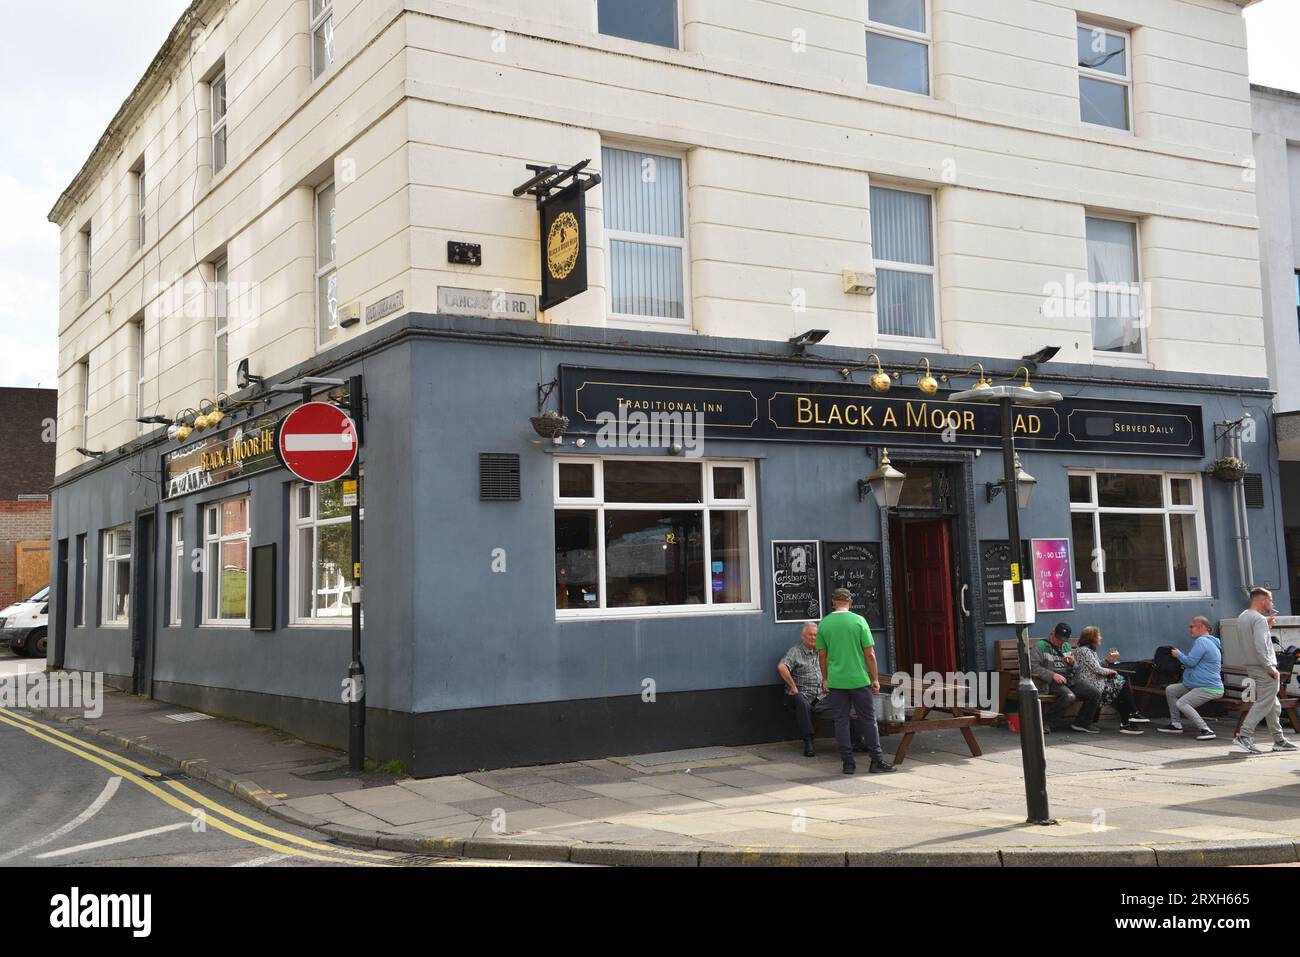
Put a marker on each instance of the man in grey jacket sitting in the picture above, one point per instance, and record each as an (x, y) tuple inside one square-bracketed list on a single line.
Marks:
[(1262, 675)]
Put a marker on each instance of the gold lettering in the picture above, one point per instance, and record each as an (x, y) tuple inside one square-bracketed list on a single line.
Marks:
[(968, 421), (836, 415), (915, 417), (1035, 424), (890, 419), (851, 415), (803, 414)]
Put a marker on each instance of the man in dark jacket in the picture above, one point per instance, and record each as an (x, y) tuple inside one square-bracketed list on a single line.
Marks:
[(1051, 665)]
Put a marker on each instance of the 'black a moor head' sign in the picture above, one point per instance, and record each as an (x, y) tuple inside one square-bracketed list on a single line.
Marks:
[(564, 245)]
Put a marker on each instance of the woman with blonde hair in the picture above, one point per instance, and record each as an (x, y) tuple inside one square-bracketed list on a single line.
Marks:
[(1114, 689)]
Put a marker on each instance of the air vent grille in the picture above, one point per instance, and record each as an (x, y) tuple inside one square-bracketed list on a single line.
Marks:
[(498, 477), (1254, 490)]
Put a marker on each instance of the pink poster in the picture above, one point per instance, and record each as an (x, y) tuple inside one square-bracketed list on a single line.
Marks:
[(1053, 574)]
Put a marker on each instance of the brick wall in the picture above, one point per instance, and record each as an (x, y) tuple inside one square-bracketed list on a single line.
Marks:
[(26, 441), (19, 522)]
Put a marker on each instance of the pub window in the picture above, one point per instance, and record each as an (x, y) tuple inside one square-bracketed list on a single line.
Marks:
[(650, 21), (177, 569), (322, 36), (645, 228), (898, 45), (117, 576), (327, 277), (637, 537), (1105, 84), (320, 556), (225, 570), (217, 90), (79, 591), (1138, 534), (1115, 286), (902, 237)]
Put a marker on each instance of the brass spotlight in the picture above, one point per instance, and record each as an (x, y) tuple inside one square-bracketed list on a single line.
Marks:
[(983, 382), (879, 380), (927, 383), (1026, 372)]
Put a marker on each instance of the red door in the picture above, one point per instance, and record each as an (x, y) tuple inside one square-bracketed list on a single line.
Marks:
[(929, 595)]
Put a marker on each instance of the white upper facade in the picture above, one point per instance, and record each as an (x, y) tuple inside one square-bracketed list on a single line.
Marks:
[(1064, 173)]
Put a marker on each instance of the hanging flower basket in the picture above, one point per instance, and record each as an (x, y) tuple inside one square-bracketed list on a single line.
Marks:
[(1228, 469), (549, 424)]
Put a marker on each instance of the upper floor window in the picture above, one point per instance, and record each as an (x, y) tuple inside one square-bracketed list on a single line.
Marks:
[(225, 569), (645, 228), (220, 325), (650, 21), (85, 253), (322, 36), (1105, 80), (218, 90), (898, 45), (1138, 533), (327, 277), (1115, 286), (84, 375), (117, 576), (140, 188), (902, 239), (137, 326)]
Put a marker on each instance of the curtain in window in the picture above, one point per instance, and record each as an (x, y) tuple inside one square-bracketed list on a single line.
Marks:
[(643, 197), (1116, 296), (902, 232)]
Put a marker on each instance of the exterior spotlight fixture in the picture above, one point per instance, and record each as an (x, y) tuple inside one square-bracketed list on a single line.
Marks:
[(927, 383), (1025, 485), (244, 378), (983, 382), (92, 455), (885, 483), (802, 341), (1045, 354), (879, 380), (185, 424), (154, 420)]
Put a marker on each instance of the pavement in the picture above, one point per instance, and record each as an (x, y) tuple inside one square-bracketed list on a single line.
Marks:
[(1154, 800)]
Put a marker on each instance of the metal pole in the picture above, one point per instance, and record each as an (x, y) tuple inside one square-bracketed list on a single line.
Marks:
[(1033, 751), (356, 670)]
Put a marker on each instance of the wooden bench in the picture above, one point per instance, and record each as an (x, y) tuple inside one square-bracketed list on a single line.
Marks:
[(1008, 652), (1290, 703)]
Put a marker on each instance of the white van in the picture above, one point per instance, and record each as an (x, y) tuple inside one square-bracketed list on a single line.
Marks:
[(24, 625)]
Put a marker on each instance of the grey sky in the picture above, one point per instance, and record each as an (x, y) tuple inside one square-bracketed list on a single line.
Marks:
[(66, 66)]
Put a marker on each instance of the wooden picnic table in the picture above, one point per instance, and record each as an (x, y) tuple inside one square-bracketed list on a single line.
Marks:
[(962, 718)]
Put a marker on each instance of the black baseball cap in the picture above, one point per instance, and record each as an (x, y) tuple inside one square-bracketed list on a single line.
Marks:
[(1062, 630)]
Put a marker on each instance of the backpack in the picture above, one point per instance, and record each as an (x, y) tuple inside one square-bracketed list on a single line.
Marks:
[(1165, 668)]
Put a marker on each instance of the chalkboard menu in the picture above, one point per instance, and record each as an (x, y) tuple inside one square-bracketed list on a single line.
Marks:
[(856, 566), (796, 581), (995, 568)]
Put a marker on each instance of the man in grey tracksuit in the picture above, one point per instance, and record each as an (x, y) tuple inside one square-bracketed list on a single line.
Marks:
[(1261, 671)]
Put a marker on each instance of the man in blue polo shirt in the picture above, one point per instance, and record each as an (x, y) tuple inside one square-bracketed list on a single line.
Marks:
[(1202, 680)]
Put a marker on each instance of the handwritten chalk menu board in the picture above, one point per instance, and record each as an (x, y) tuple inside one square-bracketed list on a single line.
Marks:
[(856, 566), (995, 568), (796, 581), (1053, 574)]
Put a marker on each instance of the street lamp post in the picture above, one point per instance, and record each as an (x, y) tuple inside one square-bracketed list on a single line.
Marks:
[(1033, 752)]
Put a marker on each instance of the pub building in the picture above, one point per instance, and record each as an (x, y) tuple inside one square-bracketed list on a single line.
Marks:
[(534, 594)]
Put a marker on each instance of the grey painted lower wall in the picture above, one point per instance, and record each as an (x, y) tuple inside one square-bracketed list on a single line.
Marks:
[(459, 651)]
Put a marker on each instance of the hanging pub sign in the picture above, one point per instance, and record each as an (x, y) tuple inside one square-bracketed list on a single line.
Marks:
[(564, 245), (238, 452), (787, 410)]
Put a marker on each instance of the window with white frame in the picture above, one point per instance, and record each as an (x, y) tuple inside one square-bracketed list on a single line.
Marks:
[(225, 570), (116, 546), (137, 174), (322, 36), (649, 21), (327, 279), (1138, 534), (1105, 77), (79, 596), (903, 246), (137, 326), (898, 45), (645, 232), (84, 238), (84, 376), (217, 88), (321, 553), (1115, 286), (636, 537), (177, 569), (220, 325)]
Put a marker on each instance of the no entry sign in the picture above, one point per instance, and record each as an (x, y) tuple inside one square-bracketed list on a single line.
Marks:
[(317, 442)]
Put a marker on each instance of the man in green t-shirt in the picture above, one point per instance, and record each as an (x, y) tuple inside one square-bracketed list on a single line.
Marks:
[(847, 653)]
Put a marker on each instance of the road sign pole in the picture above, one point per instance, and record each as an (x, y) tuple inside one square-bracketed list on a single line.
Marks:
[(356, 670)]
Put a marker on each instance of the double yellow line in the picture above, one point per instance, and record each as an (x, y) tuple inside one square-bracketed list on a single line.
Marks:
[(149, 780)]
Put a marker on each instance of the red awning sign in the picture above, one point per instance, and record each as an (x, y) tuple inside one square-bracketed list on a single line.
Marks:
[(317, 442)]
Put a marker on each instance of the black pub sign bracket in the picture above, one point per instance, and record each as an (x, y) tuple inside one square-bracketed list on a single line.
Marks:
[(561, 202)]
